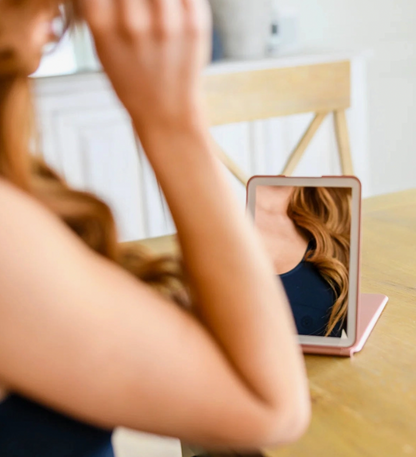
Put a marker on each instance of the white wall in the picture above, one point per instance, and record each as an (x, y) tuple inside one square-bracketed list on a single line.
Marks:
[(388, 28)]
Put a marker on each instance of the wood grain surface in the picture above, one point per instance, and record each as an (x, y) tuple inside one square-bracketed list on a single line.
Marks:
[(262, 94), (366, 406)]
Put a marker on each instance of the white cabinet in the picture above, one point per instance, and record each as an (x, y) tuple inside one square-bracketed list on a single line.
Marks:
[(87, 136)]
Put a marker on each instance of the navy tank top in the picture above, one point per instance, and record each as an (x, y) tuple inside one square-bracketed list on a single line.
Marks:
[(30, 430), (311, 299)]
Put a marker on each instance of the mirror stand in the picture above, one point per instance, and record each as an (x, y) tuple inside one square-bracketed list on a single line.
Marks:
[(369, 311)]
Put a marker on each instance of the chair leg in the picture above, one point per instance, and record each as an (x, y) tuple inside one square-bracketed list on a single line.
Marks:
[(232, 166), (344, 148), (297, 154)]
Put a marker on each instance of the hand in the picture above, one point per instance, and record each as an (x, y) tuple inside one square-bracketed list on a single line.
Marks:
[(153, 52)]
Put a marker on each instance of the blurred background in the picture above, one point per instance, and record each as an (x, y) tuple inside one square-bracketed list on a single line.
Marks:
[(385, 30), (87, 136)]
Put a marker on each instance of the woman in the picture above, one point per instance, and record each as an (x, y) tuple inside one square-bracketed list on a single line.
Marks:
[(307, 230), (86, 342)]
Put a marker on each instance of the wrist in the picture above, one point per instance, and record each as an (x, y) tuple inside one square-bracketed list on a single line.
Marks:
[(182, 142), (187, 117)]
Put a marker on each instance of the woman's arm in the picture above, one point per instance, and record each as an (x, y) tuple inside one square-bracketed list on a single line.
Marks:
[(237, 294), (81, 335), (238, 297)]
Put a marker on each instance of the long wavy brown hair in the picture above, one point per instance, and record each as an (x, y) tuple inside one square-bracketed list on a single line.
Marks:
[(323, 214), (87, 216)]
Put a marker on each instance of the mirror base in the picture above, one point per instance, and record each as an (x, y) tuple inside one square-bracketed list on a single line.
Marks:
[(369, 311)]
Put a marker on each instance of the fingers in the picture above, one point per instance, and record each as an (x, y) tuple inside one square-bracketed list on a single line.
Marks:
[(132, 17), (105, 17), (167, 18), (99, 14), (198, 15)]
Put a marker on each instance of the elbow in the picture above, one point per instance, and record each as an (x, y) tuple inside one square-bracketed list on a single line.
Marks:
[(289, 423), (277, 427), (281, 427), (297, 425), (267, 427)]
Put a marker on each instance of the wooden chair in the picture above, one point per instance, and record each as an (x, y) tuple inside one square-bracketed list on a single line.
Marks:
[(261, 94)]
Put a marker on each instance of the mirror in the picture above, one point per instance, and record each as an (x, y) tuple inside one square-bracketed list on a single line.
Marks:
[(307, 231)]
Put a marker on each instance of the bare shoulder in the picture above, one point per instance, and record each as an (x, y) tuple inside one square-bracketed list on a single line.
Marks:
[(15, 203), (9, 193), (25, 222), (36, 248)]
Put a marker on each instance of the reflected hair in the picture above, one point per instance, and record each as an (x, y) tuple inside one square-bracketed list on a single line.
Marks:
[(87, 216), (323, 214)]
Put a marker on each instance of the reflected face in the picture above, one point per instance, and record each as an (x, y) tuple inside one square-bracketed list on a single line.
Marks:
[(307, 232), (26, 27)]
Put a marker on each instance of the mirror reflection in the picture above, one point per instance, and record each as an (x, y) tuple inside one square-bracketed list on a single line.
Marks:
[(307, 231)]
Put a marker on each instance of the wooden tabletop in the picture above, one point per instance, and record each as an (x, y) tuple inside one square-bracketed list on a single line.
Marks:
[(366, 406)]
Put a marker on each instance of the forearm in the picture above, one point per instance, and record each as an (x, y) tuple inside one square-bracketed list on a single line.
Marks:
[(238, 297)]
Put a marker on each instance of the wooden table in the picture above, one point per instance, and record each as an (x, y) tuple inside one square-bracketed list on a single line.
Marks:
[(366, 406)]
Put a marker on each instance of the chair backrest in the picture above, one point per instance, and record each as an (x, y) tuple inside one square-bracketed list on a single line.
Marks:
[(261, 94)]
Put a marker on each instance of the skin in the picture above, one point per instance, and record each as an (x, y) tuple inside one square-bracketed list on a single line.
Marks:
[(283, 241), (80, 335)]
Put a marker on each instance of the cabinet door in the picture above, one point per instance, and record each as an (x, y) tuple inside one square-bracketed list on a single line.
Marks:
[(87, 137)]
